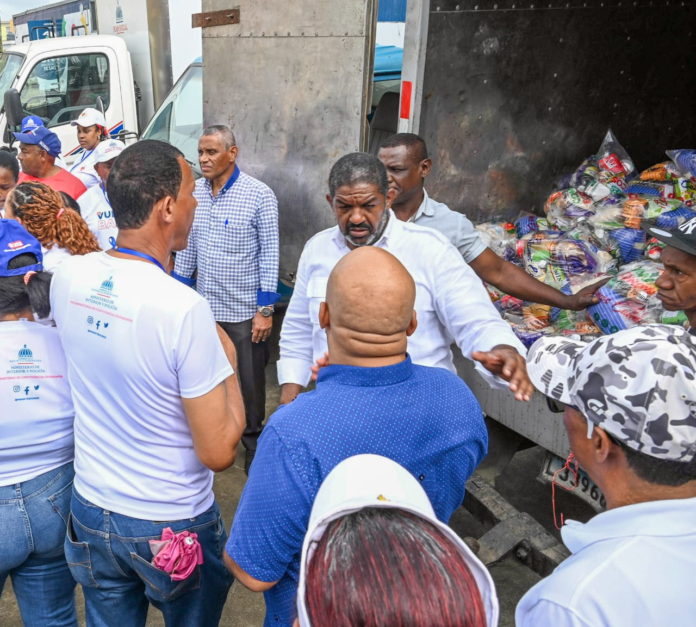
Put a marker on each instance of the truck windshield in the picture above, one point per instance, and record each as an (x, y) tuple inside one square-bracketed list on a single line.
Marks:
[(179, 120), (9, 66)]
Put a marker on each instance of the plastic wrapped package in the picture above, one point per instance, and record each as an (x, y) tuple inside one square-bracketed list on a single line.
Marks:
[(500, 237), (674, 219), (665, 171), (638, 208), (612, 157), (510, 305), (586, 180), (530, 332), (685, 160), (628, 299), (675, 317), (631, 243), (566, 207), (550, 253), (653, 249), (528, 223)]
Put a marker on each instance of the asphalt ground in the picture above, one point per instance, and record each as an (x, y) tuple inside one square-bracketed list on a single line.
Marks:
[(518, 484)]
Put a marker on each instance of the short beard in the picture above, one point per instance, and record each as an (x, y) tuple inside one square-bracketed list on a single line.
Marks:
[(373, 237)]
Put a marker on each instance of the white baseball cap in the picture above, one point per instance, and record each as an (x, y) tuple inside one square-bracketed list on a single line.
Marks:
[(374, 481), (90, 117), (107, 150)]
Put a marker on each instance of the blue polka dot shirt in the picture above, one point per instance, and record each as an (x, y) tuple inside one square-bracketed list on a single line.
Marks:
[(426, 419)]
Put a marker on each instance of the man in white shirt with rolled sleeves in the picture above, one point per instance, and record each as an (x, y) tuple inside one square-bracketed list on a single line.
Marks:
[(451, 302)]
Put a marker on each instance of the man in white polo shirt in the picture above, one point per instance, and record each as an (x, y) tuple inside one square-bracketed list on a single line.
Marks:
[(157, 406), (631, 420), (451, 303), (94, 203)]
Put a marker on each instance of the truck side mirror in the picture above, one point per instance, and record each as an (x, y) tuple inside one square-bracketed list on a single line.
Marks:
[(13, 109), (100, 104)]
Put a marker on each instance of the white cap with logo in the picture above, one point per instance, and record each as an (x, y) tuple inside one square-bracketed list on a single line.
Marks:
[(90, 117), (107, 150), (377, 482)]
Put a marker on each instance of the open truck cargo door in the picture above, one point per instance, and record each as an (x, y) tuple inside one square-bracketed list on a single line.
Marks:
[(294, 81), (511, 95)]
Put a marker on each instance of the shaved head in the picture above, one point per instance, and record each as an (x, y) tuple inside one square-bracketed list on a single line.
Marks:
[(370, 299)]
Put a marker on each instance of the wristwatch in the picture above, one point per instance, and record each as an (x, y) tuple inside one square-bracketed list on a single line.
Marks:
[(266, 311)]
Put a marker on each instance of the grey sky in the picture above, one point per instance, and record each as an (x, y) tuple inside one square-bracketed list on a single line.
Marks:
[(9, 7)]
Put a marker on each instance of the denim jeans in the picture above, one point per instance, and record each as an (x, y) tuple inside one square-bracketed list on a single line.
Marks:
[(110, 556), (33, 518)]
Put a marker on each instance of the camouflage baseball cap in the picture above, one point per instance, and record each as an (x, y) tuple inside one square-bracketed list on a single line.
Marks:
[(639, 385)]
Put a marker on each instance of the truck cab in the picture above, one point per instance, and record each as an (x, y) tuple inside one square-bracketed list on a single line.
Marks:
[(56, 82)]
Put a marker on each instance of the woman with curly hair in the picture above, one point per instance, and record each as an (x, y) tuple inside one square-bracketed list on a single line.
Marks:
[(61, 230)]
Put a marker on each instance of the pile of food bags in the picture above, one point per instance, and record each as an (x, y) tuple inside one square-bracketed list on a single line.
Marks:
[(592, 231)]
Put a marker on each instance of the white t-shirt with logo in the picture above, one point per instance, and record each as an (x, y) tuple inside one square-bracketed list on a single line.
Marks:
[(96, 211), (36, 410), (137, 341), (53, 257), (83, 169)]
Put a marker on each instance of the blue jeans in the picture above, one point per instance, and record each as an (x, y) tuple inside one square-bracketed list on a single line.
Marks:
[(33, 518), (110, 556)]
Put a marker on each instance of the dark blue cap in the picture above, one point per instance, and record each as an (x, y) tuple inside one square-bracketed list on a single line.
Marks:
[(31, 123), (15, 240), (42, 137)]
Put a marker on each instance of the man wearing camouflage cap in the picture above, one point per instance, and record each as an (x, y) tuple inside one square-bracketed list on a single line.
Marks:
[(631, 421)]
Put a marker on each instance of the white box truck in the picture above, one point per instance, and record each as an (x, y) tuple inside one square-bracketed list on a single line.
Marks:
[(122, 55)]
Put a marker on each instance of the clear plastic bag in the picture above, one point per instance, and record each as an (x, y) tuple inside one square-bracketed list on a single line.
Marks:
[(566, 207), (500, 237), (685, 160), (612, 157), (628, 299)]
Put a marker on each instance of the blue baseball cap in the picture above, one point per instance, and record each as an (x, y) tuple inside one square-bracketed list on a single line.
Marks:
[(31, 123), (15, 240), (42, 137)]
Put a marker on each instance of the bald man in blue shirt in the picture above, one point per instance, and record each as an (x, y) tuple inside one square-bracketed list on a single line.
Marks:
[(371, 399)]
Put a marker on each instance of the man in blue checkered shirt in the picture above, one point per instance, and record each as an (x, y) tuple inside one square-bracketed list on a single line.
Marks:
[(234, 247)]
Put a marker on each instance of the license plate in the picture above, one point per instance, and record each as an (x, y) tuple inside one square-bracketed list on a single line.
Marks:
[(586, 489)]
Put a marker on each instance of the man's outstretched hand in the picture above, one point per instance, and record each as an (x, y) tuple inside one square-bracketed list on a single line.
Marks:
[(505, 362), (585, 297)]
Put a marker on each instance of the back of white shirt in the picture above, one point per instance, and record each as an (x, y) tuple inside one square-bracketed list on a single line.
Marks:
[(36, 411), (97, 213), (633, 565), (137, 342), (53, 257)]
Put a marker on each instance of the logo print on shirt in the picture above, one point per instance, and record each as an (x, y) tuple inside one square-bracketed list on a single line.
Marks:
[(108, 285), (104, 296), (26, 391), (100, 326), (25, 363), (26, 355)]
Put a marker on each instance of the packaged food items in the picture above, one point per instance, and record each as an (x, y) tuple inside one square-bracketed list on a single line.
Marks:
[(565, 207), (685, 160), (528, 223), (530, 332), (665, 171), (675, 317), (612, 157), (500, 237), (628, 299), (674, 219), (631, 243), (509, 304), (653, 249)]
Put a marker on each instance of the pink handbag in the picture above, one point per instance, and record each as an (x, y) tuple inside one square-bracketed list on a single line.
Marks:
[(177, 553)]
